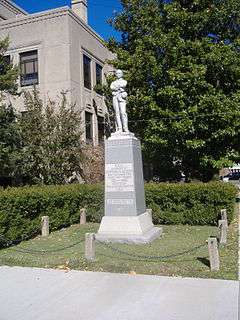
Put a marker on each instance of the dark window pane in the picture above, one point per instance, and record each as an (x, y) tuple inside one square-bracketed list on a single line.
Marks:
[(89, 126), (87, 72), (100, 129), (29, 68), (98, 74)]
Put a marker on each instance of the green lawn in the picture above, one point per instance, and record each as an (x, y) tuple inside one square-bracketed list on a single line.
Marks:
[(65, 249)]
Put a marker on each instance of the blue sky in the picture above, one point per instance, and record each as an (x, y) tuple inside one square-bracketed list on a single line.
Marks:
[(98, 12)]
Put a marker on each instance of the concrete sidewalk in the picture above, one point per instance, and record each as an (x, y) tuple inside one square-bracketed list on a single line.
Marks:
[(42, 294)]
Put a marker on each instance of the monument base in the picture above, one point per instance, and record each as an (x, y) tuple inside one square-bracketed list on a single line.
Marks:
[(128, 229)]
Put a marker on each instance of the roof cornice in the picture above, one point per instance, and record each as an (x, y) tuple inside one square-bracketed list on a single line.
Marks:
[(13, 7), (73, 15), (49, 14), (39, 16)]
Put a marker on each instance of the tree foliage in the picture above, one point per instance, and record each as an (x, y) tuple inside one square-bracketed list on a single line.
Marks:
[(8, 73), (51, 138), (10, 143), (182, 62), (9, 135)]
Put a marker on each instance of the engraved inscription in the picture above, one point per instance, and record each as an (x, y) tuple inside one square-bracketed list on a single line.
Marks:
[(119, 177), (120, 201), (127, 143)]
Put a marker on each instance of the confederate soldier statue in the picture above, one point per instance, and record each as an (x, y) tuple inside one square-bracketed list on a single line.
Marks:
[(119, 102)]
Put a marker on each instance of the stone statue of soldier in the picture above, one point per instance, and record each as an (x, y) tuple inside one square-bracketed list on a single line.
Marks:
[(126, 219), (119, 93)]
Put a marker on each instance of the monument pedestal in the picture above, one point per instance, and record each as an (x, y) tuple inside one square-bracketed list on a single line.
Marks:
[(125, 219), (138, 229)]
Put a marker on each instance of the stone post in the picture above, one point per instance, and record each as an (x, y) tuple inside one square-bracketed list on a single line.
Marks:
[(222, 224), (82, 216), (213, 254), (45, 226), (90, 246), (224, 215)]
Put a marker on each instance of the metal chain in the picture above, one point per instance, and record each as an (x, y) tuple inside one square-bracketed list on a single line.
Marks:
[(23, 250), (145, 257), (9, 242)]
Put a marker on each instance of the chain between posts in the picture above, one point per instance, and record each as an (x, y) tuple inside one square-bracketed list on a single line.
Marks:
[(148, 257), (9, 242), (23, 250), (112, 248)]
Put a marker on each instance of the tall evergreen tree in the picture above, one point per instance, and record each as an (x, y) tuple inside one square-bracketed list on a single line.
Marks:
[(8, 73), (182, 63), (9, 134), (10, 145)]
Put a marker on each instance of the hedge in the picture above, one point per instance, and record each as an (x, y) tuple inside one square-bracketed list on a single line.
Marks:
[(195, 204)]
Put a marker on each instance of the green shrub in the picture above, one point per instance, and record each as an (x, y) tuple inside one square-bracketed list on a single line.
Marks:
[(196, 204), (21, 209), (193, 203)]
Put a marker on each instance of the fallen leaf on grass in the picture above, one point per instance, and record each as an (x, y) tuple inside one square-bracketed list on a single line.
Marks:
[(132, 273), (63, 267)]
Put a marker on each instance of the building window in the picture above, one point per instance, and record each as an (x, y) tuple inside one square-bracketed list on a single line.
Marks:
[(100, 121), (87, 72), (98, 74), (29, 68), (88, 126), (6, 60)]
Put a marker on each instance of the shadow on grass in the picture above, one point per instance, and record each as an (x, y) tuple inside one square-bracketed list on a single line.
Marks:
[(204, 261), (148, 260)]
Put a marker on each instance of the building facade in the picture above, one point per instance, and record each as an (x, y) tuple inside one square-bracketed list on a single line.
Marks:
[(57, 51)]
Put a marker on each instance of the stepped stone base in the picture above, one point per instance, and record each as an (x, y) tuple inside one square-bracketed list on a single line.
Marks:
[(128, 229), (126, 218)]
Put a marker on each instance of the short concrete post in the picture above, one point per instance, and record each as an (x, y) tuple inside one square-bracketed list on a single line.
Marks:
[(45, 226), (224, 215), (90, 246), (82, 216), (149, 211), (213, 254), (222, 225)]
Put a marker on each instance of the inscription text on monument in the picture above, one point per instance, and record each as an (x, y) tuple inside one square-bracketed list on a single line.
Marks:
[(119, 177)]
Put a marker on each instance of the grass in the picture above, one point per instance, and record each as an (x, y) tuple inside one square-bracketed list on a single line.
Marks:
[(70, 253)]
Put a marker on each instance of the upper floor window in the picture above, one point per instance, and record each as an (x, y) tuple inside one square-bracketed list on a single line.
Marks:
[(87, 72), (29, 68), (98, 74)]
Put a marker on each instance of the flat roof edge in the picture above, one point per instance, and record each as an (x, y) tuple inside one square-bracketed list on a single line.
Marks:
[(46, 15), (13, 6), (31, 17)]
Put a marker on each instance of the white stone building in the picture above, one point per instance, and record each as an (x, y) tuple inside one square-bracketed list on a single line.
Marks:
[(58, 51)]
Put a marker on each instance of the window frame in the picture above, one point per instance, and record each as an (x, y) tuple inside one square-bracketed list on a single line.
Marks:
[(100, 130), (99, 80), (87, 78), (88, 127), (28, 78)]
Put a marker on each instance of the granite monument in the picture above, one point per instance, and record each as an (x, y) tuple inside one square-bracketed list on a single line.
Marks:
[(125, 218)]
